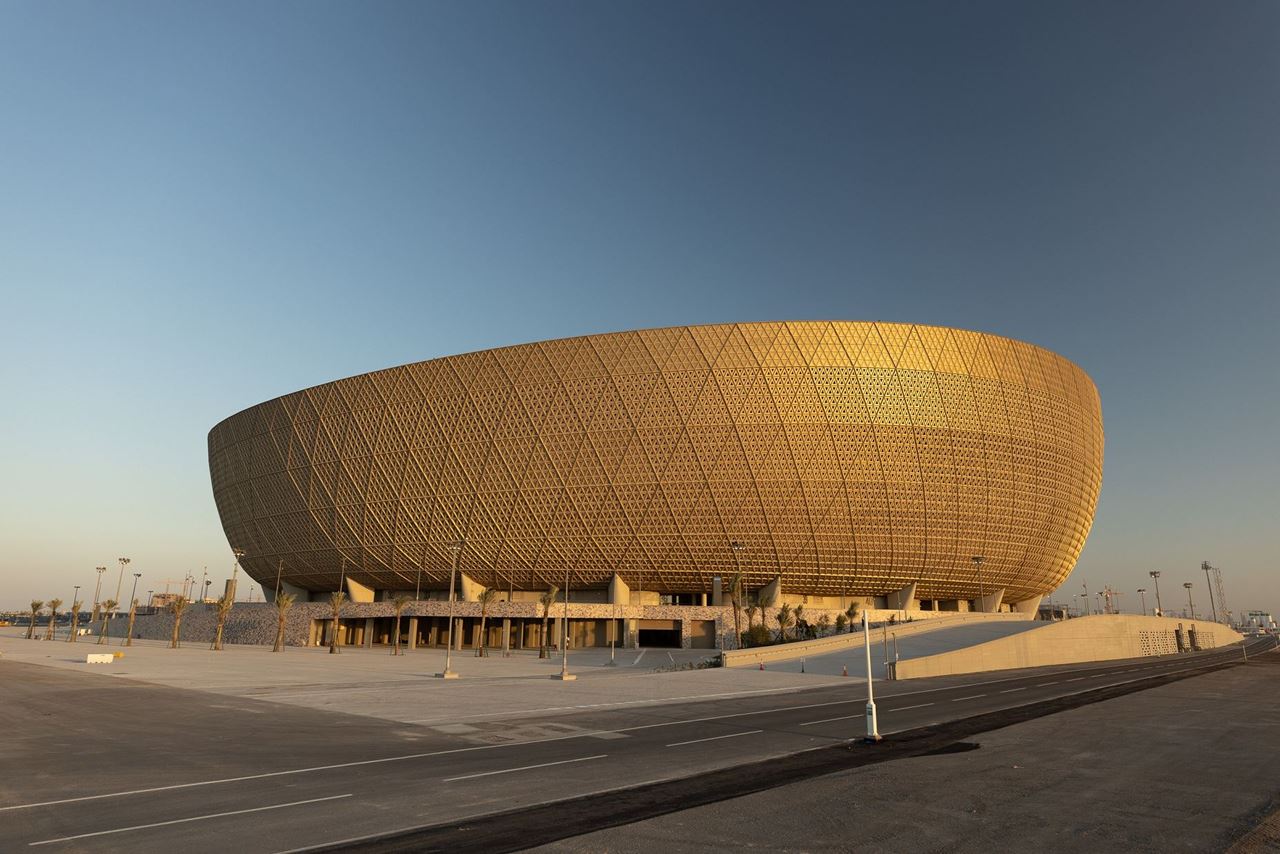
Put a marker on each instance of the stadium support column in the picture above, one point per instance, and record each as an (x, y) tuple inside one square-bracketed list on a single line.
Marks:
[(619, 592), (1030, 607), (413, 633), (357, 592), (991, 602), (901, 600), (774, 587), (470, 589)]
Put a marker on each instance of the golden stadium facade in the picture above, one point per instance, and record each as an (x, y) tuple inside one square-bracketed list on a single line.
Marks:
[(849, 459)]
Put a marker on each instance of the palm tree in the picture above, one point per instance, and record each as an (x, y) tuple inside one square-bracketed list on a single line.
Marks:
[(784, 620), (824, 624), (852, 613), (104, 610), (75, 620), (36, 606), (546, 600), (54, 605), (224, 610), (179, 607), (735, 599), (487, 598), (133, 614), (765, 599), (801, 625), (284, 601), (399, 602), (336, 599), (751, 615)]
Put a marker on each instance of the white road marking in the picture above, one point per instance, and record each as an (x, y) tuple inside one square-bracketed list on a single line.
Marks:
[(1011, 690), (523, 768), (970, 697), (714, 738), (920, 706), (829, 720), (1077, 679), (184, 820), (1099, 675), (640, 656), (1043, 684)]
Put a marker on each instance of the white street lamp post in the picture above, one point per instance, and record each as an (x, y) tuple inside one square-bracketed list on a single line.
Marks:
[(454, 548), (873, 731)]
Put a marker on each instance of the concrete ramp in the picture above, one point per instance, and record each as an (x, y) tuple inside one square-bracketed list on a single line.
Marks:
[(1097, 638), (909, 645)]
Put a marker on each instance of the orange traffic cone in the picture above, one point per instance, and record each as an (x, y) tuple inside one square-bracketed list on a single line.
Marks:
[(844, 670), (762, 665)]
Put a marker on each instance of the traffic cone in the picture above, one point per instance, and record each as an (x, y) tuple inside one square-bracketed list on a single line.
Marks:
[(844, 670), (802, 665), (762, 665)]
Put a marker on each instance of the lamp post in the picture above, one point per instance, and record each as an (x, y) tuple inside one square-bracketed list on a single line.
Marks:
[(977, 562), (873, 730), (1088, 603), (455, 548), (1190, 604), (134, 593), (124, 561), (1155, 575), (1142, 591), (235, 570), (96, 590), (565, 675), (1208, 582), (736, 547)]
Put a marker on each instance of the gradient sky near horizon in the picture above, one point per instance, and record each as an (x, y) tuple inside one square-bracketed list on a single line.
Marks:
[(203, 206)]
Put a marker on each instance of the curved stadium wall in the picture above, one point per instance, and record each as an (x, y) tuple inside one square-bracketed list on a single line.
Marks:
[(849, 459)]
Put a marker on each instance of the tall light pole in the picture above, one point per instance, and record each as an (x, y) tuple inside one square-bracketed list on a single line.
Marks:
[(1088, 603), (96, 590), (1142, 591), (134, 594), (235, 570), (1208, 582), (736, 547), (455, 548), (1190, 604), (977, 561), (124, 561), (873, 729), (565, 675), (1155, 574)]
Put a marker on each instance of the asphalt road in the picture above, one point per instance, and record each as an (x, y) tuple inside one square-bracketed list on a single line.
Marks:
[(105, 765)]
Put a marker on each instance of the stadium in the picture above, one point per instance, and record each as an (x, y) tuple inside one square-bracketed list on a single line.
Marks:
[(892, 465)]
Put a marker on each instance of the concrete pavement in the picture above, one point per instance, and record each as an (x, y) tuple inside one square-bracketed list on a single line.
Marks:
[(114, 764)]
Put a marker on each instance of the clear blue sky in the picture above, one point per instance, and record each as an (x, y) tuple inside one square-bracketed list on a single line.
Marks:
[(206, 205)]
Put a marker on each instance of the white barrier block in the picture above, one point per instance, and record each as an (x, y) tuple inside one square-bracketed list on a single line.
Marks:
[(99, 658)]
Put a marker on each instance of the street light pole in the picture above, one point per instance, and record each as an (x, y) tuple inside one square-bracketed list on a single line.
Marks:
[(1155, 574), (235, 569), (873, 730), (1208, 582), (1190, 604), (454, 548), (1142, 591), (565, 675), (134, 594), (1088, 603), (977, 561), (96, 590), (124, 561)]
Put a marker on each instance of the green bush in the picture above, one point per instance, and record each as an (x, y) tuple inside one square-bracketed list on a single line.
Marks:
[(757, 635)]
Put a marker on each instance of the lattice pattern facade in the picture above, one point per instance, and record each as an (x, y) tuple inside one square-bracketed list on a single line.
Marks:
[(849, 458)]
